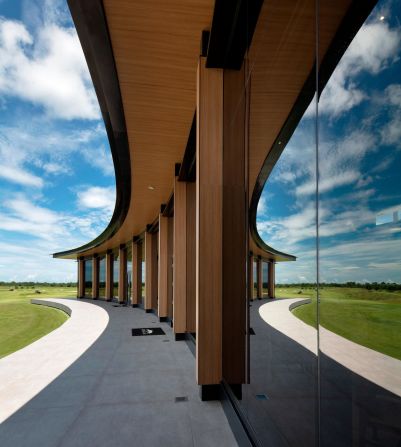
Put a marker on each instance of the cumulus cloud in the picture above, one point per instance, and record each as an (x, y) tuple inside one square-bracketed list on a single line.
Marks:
[(27, 216), (97, 197), (374, 47), (52, 64)]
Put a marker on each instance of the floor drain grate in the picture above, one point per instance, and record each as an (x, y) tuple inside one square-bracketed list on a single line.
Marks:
[(261, 397), (166, 341), (181, 399), (147, 331)]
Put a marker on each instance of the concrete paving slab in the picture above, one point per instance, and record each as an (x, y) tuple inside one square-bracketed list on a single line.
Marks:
[(122, 391)]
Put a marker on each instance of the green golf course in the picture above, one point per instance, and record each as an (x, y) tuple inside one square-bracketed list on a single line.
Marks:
[(371, 318), (21, 322)]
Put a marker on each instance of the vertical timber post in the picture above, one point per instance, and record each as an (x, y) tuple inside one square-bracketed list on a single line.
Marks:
[(180, 260), (122, 274), (162, 309), (209, 226), (136, 293)]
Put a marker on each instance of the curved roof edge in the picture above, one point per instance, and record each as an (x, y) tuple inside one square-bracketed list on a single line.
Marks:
[(350, 25), (91, 25)]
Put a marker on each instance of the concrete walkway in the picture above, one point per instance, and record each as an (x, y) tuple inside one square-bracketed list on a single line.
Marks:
[(122, 391), (28, 371), (374, 366)]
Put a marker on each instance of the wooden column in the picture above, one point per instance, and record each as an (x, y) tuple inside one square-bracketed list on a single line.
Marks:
[(81, 278), (162, 309), (122, 274), (136, 294), (271, 279), (95, 277), (235, 227), (259, 279), (109, 275), (251, 279), (191, 257), (170, 266), (180, 259), (151, 272), (209, 225)]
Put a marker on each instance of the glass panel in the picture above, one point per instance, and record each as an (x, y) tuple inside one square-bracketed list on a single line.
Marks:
[(280, 401), (143, 274), (129, 272), (116, 274), (360, 238), (88, 278), (102, 277), (255, 279), (264, 280)]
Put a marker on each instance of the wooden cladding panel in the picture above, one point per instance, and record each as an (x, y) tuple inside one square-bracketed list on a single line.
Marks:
[(191, 257), (122, 278), (209, 220), (180, 258), (151, 271), (163, 267), (109, 276), (251, 278), (234, 226), (136, 292), (95, 277), (170, 267)]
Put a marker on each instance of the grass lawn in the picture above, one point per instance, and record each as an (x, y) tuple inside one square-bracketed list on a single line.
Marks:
[(371, 318), (21, 323)]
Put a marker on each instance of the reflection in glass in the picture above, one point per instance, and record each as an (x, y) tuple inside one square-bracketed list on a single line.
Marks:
[(129, 272), (88, 278), (255, 279), (116, 274), (360, 238), (102, 277), (265, 280)]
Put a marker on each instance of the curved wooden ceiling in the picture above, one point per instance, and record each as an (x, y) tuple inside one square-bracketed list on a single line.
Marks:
[(156, 45)]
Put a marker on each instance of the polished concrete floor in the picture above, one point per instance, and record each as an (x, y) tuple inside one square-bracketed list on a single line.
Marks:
[(123, 391)]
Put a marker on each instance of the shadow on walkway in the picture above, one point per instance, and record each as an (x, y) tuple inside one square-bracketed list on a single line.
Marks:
[(122, 391)]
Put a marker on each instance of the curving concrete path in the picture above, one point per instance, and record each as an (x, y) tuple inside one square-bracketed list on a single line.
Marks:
[(28, 371), (374, 366), (121, 391)]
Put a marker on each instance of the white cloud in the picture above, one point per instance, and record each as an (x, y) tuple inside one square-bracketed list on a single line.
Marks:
[(98, 197), (374, 47), (20, 176), (47, 68)]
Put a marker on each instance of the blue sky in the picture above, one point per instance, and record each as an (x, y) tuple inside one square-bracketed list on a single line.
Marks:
[(359, 149), (56, 178)]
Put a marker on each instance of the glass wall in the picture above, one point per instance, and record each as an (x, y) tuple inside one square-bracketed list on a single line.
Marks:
[(265, 280), (129, 271), (116, 274), (360, 238), (88, 278), (102, 277), (143, 273), (325, 356), (255, 279)]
